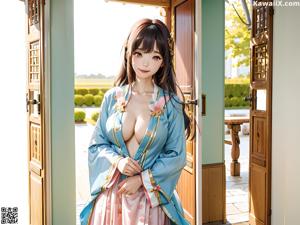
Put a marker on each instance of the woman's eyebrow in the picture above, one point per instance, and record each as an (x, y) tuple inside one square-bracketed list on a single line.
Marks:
[(155, 51)]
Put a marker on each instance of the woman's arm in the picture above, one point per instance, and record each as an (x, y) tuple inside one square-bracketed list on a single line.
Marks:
[(102, 158), (161, 179)]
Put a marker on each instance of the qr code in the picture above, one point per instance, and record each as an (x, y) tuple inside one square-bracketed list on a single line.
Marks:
[(9, 215)]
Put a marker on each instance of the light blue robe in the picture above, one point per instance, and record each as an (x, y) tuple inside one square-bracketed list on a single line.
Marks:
[(161, 154)]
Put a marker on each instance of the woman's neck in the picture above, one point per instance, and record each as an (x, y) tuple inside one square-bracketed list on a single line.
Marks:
[(143, 86)]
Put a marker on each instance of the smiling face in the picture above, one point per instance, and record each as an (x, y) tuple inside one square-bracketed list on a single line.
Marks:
[(146, 64), (146, 53)]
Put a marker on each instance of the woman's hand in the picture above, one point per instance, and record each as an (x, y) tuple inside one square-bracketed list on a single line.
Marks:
[(129, 167), (130, 185)]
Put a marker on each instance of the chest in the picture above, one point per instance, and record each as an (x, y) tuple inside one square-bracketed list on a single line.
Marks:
[(139, 106), (136, 118)]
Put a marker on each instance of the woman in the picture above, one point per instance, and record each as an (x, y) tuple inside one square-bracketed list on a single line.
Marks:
[(137, 151)]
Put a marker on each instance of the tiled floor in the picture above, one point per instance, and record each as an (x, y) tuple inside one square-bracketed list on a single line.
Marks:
[(237, 208)]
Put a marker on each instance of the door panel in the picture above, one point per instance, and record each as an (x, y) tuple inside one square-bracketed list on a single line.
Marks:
[(182, 28), (261, 115), (35, 111), (184, 45), (258, 193), (36, 199)]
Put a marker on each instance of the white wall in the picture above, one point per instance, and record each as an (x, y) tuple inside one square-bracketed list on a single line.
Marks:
[(13, 130), (286, 120)]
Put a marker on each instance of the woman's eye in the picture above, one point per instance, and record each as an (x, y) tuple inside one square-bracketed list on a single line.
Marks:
[(138, 54), (157, 58)]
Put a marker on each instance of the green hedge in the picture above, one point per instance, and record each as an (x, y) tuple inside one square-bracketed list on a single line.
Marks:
[(81, 91), (95, 116), (88, 99), (78, 100), (92, 91), (98, 100), (79, 116), (235, 95), (101, 93)]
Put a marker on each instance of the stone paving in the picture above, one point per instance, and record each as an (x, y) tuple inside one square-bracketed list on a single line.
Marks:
[(237, 208), (83, 133)]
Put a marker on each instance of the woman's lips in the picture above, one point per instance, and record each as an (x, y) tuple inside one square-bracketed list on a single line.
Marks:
[(144, 71)]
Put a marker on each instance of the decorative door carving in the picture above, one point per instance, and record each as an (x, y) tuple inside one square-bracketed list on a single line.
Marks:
[(35, 111), (261, 115)]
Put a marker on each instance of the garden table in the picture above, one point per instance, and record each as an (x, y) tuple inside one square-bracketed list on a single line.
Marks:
[(234, 125)]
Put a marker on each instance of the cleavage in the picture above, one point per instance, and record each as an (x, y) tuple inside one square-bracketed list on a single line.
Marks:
[(134, 126)]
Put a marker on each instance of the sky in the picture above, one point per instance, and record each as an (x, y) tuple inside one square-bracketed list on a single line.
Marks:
[(100, 29)]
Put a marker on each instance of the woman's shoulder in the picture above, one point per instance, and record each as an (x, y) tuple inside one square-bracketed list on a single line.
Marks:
[(174, 103), (113, 91)]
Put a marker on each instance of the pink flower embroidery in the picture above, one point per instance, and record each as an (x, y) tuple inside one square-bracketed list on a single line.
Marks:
[(156, 188), (142, 219), (121, 102), (157, 107)]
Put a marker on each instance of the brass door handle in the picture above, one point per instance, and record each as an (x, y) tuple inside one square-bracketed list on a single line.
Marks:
[(32, 102), (195, 102), (248, 98), (192, 102)]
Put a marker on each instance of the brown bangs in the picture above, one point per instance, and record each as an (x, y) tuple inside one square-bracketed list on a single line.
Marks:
[(147, 38)]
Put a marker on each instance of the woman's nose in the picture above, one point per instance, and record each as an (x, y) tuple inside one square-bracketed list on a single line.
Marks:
[(145, 61)]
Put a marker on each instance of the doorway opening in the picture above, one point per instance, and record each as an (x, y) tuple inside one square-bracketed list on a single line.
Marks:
[(237, 110), (98, 45)]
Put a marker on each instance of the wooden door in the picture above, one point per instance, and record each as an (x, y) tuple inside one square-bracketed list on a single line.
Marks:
[(182, 28), (35, 111), (261, 115)]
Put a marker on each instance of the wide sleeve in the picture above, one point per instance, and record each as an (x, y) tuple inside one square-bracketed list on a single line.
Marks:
[(102, 157), (161, 179)]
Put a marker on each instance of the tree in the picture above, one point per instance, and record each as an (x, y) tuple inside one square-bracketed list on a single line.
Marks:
[(237, 34)]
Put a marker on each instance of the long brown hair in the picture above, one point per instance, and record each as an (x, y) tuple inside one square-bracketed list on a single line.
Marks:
[(148, 32)]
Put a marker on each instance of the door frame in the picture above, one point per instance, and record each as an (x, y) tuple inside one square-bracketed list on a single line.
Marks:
[(198, 85), (47, 99), (48, 108), (198, 93)]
